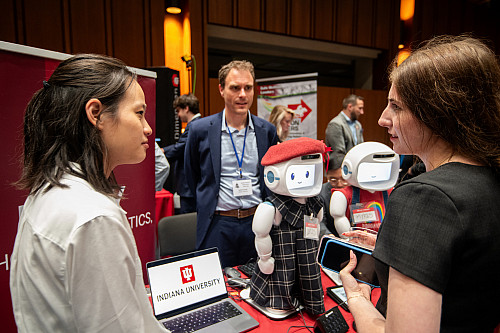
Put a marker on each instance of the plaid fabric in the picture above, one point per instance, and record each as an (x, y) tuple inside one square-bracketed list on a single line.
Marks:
[(296, 276)]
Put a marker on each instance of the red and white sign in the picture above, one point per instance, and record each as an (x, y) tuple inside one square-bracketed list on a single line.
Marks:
[(187, 274), (301, 97)]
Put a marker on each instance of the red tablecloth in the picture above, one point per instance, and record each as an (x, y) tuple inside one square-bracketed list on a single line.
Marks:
[(278, 326), (164, 201)]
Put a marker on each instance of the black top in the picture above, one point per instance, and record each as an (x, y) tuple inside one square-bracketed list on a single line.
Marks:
[(442, 229), (175, 153)]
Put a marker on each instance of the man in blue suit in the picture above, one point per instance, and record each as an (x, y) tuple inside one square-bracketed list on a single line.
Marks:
[(222, 165), (188, 110)]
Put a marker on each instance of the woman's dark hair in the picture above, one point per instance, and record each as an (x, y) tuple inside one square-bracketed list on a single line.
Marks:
[(57, 132), (452, 85)]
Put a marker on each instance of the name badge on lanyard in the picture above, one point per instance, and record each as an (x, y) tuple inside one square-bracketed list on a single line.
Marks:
[(311, 227), (242, 186)]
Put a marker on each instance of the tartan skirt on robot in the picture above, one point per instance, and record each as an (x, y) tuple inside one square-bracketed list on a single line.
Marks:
[(296, 276)]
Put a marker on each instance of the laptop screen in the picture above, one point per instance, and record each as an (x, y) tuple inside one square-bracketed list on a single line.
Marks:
[(184, 282)]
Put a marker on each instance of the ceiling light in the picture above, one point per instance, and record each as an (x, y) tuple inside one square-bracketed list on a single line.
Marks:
[(173, 6)]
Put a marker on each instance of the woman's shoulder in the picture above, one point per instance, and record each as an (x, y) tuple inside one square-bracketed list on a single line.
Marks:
[(58, 213), (77, 201), (459, 183)]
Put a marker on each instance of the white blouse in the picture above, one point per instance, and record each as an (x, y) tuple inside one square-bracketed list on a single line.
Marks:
[(75, 265)]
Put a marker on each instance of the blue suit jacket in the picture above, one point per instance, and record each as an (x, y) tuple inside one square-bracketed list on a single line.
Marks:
[(175, 152), (202, 164)]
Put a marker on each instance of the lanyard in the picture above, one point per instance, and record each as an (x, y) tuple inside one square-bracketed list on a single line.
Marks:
[(240, 162)]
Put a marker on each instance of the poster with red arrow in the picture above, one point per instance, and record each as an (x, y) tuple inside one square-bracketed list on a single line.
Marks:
[(301, 97)]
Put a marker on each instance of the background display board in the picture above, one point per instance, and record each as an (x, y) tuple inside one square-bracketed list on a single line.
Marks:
[(299, 93)]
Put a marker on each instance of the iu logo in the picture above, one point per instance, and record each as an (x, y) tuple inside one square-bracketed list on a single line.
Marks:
[(187, 274), (175, 80)]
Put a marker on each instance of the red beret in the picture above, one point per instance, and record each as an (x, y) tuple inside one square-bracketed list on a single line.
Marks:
[(292, 148)]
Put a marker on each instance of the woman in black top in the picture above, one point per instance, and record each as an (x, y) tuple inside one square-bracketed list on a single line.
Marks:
[(438, 249)]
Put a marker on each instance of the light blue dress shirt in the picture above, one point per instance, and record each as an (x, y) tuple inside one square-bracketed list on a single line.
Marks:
[(230, 169), (352, 126)]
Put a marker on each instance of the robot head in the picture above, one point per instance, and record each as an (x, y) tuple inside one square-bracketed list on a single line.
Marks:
[(295, 167), (371, 166)]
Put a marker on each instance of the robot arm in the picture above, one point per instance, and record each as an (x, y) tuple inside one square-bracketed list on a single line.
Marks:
[(261, 226), (338, 206), (320, 215)]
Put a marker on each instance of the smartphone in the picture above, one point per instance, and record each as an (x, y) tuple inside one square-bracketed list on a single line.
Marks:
[(333, 254), (337, 293)]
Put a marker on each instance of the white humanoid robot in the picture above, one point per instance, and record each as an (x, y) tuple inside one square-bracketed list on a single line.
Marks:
[(287, 226), (371, 168)]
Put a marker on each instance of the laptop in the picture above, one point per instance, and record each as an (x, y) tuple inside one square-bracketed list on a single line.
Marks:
[(190, 285)]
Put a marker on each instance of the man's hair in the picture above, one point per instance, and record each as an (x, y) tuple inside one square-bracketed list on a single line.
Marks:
[(452, 86), (241, 65), (188, 100), (57, 131), (351, 99)]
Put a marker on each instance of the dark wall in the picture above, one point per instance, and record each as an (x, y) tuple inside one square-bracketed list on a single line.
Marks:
[(454, 17), (131, 30), (368, 23), (371, 23)]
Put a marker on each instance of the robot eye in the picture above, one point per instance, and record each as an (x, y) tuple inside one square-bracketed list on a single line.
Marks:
[(270, 177), (307, 174), (293, 176), (345, 170)]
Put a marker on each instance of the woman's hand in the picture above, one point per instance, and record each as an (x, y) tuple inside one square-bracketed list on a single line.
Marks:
[(361, 237), (352, 287)]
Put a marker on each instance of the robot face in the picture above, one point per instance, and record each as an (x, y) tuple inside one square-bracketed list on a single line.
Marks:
[(299, 176), (371, 166), (374, 172)]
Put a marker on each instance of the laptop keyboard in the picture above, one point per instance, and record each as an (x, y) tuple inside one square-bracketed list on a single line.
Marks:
[(196, 320)]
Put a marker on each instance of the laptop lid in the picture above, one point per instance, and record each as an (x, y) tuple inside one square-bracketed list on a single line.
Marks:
[(185, 282)]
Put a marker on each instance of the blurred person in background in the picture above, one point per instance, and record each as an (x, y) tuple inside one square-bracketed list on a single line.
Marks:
[(281, 117), (188, 110)]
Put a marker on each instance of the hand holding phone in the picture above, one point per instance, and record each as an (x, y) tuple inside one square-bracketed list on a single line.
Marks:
[(334, 254)]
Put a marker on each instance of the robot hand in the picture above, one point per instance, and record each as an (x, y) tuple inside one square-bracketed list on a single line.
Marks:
[(338, 206), (261, 226)]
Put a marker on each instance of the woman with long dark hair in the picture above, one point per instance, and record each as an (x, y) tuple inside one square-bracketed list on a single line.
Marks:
[(75, 266)]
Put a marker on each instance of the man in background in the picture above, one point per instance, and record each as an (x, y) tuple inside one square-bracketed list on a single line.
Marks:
[(188, 110), (345, 131), (222, 161)]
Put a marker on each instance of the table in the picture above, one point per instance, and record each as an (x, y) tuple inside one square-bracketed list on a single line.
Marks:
[(164, 204), (278, 326)]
